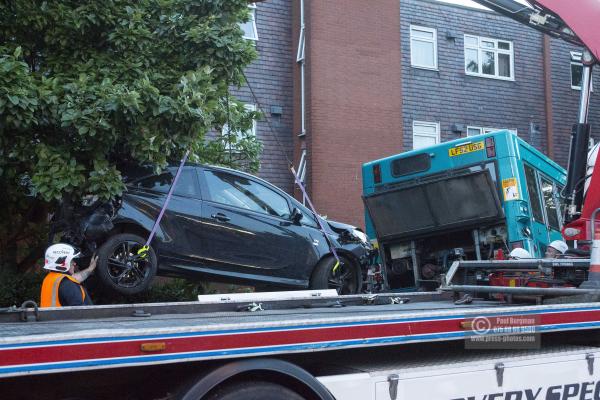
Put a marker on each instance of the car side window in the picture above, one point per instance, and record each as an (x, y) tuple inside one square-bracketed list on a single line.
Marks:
[(186, 184), (534, 194), (242, 192), (308, 219)]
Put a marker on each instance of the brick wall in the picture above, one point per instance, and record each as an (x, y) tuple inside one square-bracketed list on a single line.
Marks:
[(270, 76), (353, 64)]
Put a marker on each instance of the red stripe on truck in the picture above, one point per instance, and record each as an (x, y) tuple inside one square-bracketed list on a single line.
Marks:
[(236, 340)]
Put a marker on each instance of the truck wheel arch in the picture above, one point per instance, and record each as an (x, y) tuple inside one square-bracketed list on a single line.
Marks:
[(271, 367)]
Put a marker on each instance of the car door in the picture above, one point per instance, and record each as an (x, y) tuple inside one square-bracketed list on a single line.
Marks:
[(314, 243), (247, 225), (177, 237)]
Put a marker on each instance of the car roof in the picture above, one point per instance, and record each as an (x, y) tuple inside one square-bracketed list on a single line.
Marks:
[(134, 172)]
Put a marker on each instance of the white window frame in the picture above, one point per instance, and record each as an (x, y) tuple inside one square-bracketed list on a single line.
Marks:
[(238, 134), (575, 87), (436, 136), (420, 39), (480, 49), (483, 130), (576, 57), (252, 7)]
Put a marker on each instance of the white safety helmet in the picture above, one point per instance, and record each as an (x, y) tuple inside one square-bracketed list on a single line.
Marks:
[(59, 256), (520, 253), (559, 245)]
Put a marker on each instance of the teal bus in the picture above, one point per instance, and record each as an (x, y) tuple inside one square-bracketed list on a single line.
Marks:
[(468, 198)]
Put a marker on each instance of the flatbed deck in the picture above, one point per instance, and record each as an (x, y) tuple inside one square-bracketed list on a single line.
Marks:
[(83, 338)]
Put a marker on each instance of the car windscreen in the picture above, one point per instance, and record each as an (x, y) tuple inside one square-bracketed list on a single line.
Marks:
[(461, 201)]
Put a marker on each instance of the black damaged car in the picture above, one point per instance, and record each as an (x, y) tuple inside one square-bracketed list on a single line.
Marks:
[(221, 225)]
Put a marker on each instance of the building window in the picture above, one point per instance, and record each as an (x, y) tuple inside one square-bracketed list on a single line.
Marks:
[(249, 28), (237, 136), (425, 134), (478, 130), (489, 58), (423, 47), (576, 75), (577, 70)]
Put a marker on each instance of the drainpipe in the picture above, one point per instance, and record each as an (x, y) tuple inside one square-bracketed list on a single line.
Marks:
[(548, 97), (300, 59)]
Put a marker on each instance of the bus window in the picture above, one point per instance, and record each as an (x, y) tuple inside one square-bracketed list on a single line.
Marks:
[(561, 204), (534, 194), (550, 204), (491, 167), (411, 165)]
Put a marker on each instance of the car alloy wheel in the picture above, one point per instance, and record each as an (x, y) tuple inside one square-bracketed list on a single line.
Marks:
[(125, 267), (342, 279)]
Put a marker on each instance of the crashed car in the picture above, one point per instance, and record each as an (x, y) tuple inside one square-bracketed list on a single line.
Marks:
[(221, 225)]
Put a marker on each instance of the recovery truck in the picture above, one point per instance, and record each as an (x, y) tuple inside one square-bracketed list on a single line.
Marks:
[(310, 346), (317, 345)]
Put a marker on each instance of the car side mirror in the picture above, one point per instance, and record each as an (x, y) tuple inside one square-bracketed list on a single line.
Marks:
[(296, 216)]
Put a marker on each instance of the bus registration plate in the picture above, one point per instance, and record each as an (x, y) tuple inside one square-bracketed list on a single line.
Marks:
[(465, 148)]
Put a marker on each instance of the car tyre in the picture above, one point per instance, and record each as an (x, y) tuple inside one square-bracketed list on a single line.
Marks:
[(121, 269), (346, 280)]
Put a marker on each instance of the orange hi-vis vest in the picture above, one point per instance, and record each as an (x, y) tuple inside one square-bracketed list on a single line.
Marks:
[(49, 296)]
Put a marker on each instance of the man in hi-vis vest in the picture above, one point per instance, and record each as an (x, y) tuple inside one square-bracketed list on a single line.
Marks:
[(62, 287)]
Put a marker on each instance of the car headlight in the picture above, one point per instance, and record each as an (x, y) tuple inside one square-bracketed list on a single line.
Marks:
[(360, 235)]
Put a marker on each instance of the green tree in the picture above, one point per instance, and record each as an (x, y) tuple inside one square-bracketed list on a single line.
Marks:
[(85, 86)]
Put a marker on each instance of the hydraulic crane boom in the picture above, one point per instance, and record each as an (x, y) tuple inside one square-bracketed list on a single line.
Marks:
[(575, 22)]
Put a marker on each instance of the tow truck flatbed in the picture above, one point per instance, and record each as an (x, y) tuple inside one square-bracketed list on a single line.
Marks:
[(84, 338)]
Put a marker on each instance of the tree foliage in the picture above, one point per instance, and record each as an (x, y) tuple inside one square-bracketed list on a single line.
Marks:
[(85, 86)]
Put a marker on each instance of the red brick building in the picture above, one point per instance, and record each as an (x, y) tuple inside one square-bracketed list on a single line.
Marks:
[(353, 98)]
